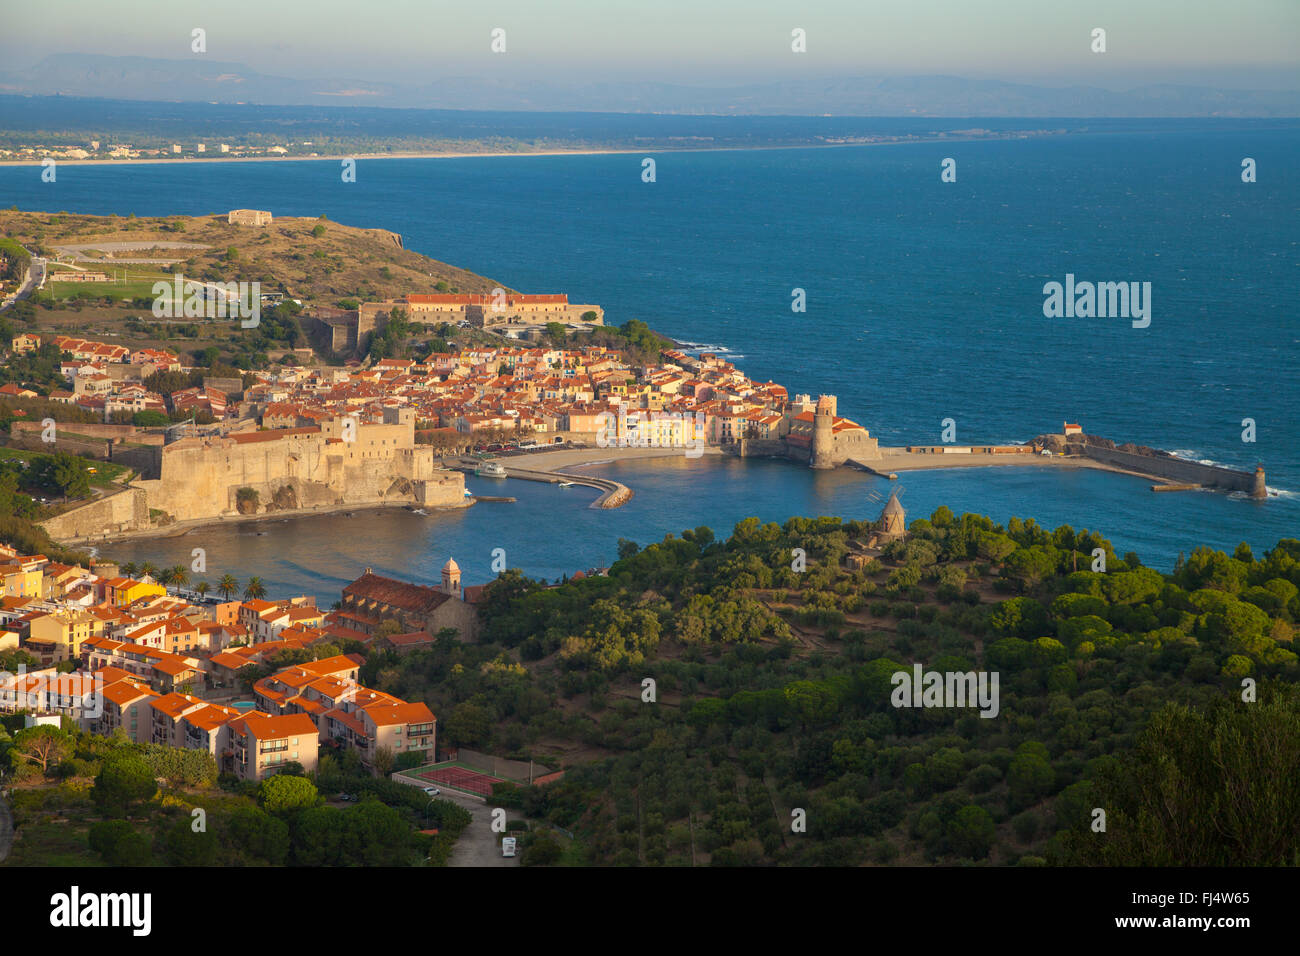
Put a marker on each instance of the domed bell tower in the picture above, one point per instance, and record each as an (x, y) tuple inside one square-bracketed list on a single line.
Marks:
[(451, 578)]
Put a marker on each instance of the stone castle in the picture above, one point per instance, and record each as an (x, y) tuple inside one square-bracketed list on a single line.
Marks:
[(340, 462), (336, 463), (824, 439)]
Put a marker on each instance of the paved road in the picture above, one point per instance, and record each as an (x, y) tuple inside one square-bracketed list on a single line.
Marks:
[(477, 845), (35, 278)]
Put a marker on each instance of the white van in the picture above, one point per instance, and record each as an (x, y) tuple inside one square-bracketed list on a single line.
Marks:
[(507, 846)]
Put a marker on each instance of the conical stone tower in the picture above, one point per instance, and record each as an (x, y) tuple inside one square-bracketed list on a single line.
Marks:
[(893, 519)]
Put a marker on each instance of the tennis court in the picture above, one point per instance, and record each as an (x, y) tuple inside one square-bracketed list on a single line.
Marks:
[(459, 777)]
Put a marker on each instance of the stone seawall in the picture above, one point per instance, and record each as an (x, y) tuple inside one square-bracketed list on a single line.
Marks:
[(112, 514), (1175, 469)]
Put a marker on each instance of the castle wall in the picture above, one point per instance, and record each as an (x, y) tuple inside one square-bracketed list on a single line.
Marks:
[(124, 511), (311, 469), (854, 444)]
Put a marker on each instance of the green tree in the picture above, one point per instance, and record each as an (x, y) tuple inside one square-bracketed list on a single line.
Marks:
[(971, 832), (1202, 788), (186, 847), (119, 843), (469, 725), (542, 850), (285, 794), (124, 780), (1030, 775), (258, 834), (383, 760), (255, 590), (42, 746)]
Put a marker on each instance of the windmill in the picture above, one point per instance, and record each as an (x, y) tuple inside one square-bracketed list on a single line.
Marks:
[(893, 519)]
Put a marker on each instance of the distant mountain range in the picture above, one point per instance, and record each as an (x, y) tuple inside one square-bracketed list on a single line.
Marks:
[(202, 80)]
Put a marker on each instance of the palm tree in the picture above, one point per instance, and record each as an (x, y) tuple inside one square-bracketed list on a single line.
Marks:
[(228, 585), (149, 570), (180, 577), (256, 590), (203, 587), (129, 569)]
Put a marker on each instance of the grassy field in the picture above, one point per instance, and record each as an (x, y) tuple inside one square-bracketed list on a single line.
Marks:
[(130, 285)]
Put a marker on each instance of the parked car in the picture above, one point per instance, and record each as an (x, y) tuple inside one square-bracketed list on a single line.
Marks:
[(507, 846), (432, 791)]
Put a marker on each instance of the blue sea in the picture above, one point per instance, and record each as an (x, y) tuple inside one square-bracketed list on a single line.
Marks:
[(924, 302)]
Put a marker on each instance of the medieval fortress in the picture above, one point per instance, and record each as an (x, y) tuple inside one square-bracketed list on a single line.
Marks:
[(341, 462)]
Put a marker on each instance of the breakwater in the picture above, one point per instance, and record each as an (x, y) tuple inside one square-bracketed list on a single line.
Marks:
[(1181, 471), (614, 494)]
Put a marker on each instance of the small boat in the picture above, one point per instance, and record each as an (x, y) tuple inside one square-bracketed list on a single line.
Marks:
[(567, 484), (490, 469)]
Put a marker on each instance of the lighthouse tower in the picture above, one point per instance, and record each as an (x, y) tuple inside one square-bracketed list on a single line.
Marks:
[(823, 437), (1259, 489)]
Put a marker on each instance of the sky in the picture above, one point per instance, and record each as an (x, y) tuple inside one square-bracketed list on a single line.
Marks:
[(1241, 44)]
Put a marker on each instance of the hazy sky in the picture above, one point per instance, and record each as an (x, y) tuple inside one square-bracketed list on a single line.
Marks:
[(1232, 43)]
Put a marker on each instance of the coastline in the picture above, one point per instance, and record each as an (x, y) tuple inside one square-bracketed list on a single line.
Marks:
[(554, 461), (619, 151), (181, 528)]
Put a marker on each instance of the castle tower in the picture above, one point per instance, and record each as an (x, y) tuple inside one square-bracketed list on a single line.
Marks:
[(451, 578), (1259, 490), (823, 437), (893, 519)]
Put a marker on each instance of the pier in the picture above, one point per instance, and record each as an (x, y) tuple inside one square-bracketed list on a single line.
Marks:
[(613, 494), (1173, 474)]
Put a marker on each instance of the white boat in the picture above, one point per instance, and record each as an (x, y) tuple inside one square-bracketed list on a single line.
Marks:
[(567, 484), (490, 469)]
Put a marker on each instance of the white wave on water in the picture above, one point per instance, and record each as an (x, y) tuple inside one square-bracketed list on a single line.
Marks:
[(1187, 454), (704, 347)]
